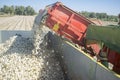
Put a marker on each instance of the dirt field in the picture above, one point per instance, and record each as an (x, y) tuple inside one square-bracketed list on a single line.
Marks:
[(16, 23), (26, 23), (105, 23)]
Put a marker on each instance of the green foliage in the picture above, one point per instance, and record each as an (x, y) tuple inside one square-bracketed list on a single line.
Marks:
[(92, 15), (102, 16), (17, 10), (29, 10), (6, 9)]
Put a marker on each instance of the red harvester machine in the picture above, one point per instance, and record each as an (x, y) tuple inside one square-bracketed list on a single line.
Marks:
[(73, 26)]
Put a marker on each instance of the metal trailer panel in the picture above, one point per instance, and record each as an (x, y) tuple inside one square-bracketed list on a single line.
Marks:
[(79, 65)]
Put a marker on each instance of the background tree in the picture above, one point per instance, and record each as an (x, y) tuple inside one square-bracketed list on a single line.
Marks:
[(85, 13), (5, 9), (30, 11), (17, 10), (22, 9), (11, 10), (92, 15), (102, 16)]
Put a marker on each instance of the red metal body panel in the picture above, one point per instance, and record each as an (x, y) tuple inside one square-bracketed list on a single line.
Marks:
[(71, 24), (114, 58)]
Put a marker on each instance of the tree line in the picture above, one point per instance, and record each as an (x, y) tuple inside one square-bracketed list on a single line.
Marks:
[(102, 16), (17, 10)]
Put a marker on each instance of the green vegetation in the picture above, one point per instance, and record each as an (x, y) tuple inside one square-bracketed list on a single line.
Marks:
[(17, 10), (101, 16)]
